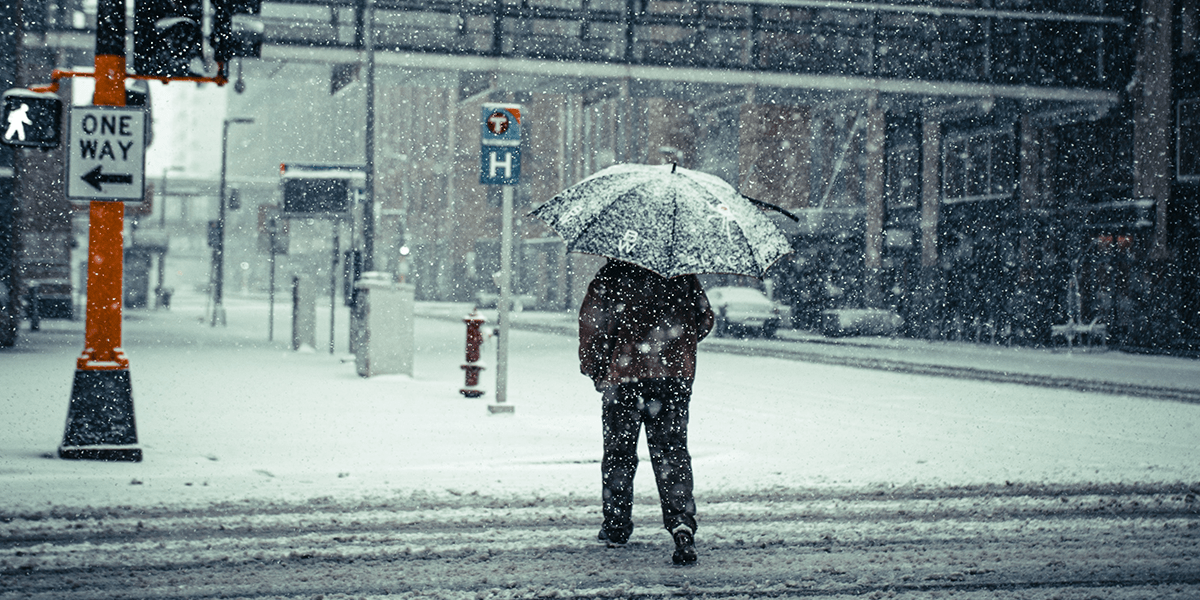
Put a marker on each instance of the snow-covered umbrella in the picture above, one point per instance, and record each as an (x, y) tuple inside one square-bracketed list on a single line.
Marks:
[(668, 219)]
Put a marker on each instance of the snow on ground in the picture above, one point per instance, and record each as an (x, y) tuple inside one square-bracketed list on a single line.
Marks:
[(270, 473), (225, 415)]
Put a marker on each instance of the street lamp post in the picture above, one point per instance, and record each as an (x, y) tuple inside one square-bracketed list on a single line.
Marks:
[(160, 297), (162, 195), (219, 247), (368, 259)]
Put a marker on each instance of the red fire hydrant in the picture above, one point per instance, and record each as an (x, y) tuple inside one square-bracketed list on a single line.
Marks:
[(472, 367)]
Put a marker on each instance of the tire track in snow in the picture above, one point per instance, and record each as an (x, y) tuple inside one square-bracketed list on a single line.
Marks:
[(1118, 541), (902, 505)]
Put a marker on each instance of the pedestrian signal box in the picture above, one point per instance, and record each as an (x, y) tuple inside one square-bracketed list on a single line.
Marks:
[(319, 191), (31, 119)]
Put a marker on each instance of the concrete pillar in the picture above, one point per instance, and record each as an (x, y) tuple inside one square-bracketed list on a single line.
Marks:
[(930, 289), (1029, 188), (931, 188), (1152, 119), (552, 146), (872, 188), (1160, 309)]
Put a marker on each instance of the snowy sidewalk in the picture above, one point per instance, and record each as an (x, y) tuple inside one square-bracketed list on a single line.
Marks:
[(224, 415), (1092, 369)]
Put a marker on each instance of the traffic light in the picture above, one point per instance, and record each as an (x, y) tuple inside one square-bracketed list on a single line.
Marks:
[(214, 233), (237, 29), (318, 190), (167, 36), (31, 119)]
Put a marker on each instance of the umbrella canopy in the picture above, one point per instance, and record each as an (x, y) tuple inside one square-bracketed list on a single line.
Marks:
[(670, 220)]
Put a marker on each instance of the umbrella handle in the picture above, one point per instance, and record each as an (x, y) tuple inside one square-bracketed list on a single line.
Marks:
[(768, 205)]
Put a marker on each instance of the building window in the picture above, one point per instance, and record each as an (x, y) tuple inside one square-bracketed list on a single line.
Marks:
[(903, 163), (980, 165), (904, 177), (1187, 143), (1189, 27)]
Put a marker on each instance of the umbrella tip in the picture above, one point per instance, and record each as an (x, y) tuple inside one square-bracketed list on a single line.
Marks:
[(673, 165)]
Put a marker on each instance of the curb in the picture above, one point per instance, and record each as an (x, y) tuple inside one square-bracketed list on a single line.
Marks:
[(911, 367)]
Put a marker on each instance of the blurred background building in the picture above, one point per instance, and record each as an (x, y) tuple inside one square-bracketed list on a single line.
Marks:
[(987, 169)]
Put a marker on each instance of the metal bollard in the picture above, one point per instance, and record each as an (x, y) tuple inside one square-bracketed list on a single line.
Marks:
[(472, 367), (35, 310)]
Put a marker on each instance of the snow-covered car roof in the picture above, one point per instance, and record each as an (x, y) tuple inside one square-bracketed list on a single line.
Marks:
[(741, 294)]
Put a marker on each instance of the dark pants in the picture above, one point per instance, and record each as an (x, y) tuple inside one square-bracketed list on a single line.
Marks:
[(662, 404)]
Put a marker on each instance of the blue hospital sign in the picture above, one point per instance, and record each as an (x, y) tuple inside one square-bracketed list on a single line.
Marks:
[(500, 165), (500, 144)]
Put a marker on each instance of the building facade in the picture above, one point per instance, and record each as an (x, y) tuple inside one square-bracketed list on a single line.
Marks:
[(988, 169)]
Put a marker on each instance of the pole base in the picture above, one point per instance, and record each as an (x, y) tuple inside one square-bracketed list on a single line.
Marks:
[(501, 409), (218, 316), (100, 420), (104, 453)]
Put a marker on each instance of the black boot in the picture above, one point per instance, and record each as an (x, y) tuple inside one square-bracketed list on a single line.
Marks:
[(685, 546), (615, 537)]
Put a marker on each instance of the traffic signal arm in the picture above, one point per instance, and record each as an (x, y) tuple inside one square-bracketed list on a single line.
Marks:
[(56, 75)]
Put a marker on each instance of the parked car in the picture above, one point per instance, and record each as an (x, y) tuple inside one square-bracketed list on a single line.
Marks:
[(48, 299), (741, 309), (860, 321)]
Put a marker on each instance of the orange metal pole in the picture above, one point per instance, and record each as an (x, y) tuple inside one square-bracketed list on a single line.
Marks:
[(102, 343)]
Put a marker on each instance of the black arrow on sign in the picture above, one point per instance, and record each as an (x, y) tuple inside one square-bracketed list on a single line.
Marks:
[(95, 178)]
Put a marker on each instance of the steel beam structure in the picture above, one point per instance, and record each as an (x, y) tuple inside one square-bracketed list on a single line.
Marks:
[(931, 48)]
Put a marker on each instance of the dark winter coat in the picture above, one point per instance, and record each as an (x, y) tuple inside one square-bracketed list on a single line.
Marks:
[(635, 324)]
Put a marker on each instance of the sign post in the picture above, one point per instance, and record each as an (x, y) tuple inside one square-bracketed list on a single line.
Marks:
[(100, 420), (500, 164)]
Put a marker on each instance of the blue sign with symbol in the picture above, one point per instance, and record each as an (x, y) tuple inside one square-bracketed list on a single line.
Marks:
[(500, 165), (500, 125), (500, 144)]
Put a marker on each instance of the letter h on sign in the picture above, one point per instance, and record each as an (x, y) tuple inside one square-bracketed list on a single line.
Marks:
[(501, 165)]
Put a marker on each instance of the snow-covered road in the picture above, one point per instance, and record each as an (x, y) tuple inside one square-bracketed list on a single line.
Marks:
[(271, 473), (979, 542)]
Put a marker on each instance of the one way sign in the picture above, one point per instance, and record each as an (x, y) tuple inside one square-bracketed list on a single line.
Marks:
[(106, 153)]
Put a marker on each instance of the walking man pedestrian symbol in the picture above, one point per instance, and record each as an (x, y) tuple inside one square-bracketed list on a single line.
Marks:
[(17, 120)]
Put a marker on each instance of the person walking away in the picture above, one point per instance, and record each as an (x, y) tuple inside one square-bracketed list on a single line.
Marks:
[(638, 333)]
